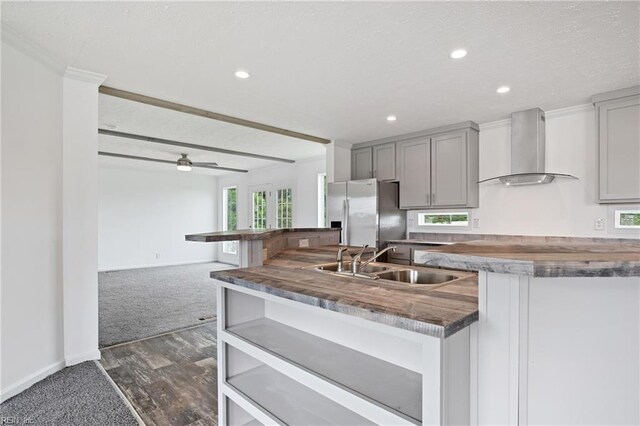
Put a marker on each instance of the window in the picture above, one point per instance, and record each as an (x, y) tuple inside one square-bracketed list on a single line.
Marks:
[(443, 219), (284, 205), (322, 200), (627, 219), (230, 217), (259, 201)]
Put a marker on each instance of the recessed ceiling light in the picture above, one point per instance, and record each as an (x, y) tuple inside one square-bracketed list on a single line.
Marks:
[(458, 53), (111, 126), (503, 89), (392, 118), (242, 74)]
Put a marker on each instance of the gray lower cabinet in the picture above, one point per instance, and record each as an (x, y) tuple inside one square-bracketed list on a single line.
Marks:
[(362, 163), (618, 132), (415, 173)]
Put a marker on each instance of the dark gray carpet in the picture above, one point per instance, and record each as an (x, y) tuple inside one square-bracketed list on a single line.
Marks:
[(139, 303), (78, 395)]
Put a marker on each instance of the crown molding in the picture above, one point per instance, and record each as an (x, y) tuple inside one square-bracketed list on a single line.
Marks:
[(575, 109), (18, 41), (570, 110), (83, 75), (342, 144), (495, 124)]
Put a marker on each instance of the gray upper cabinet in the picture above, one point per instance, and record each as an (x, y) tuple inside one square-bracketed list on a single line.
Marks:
[(618, 131), (384, 162), (455, 169), (435, 168), (449, 170), (362, 163), (415, 173)]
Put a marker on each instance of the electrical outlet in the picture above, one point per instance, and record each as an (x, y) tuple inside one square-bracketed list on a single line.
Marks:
[(157, 255), (303, 242), (476, 222), (599, 224)]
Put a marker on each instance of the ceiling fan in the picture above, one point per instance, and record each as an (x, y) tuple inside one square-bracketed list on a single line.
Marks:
[(185, 165)]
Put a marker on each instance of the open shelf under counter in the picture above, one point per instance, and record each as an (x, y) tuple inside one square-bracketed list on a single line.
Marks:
[(381, 374), (395, 388), (288, 401)]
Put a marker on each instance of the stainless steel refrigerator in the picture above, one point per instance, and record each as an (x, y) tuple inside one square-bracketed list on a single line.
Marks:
[(367, 211)]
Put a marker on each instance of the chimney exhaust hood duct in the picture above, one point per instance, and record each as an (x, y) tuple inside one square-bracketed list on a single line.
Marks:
[(527, 150)]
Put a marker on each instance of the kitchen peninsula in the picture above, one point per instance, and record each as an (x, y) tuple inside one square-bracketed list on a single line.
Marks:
[(558, 335), (300, 345)]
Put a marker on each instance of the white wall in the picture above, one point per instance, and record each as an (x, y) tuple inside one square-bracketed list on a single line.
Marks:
[(143, 213), (32, 323), (301, 175), (338, 162), (563, 208), (80, 214)]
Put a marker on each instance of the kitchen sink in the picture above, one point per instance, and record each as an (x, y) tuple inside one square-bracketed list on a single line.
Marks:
[(416, 277), (368, 269)]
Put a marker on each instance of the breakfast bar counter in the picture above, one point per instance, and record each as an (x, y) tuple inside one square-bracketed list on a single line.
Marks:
[(435, 310)]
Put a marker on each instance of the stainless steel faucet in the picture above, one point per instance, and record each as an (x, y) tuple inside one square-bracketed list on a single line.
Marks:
[(356, 261), (377, 255), (339, 260)]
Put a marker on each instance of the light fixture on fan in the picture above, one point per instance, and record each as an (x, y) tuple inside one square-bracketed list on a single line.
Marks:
[(185, 165)]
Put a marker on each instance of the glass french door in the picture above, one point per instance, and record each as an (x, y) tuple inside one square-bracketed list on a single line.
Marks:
[(272, 206)]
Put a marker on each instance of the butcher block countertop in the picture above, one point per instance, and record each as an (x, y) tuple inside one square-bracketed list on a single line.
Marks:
[(541, 259), (437, 311), (249, 234)]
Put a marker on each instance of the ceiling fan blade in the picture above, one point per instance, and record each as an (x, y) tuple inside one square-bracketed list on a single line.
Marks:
[(157, 160), (205, 164)]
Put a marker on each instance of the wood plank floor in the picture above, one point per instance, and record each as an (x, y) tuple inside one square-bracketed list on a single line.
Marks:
[(169, 379)]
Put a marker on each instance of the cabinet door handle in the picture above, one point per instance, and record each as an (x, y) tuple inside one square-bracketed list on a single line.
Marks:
[(433, 198), (428, 198)]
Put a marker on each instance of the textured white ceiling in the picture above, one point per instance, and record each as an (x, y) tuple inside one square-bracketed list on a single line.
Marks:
[(146, 120), (336, 70)]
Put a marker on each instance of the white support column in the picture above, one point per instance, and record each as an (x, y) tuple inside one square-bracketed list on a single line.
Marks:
[(338, 162), (80, 214), (499, 360)]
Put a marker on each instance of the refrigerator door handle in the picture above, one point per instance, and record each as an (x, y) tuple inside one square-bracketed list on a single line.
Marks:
[(345, 231)]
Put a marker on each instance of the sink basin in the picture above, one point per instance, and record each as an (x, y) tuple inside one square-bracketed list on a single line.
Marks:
[(416, 277), (368, 269)]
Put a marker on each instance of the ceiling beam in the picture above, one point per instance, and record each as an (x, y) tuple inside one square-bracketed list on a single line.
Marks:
[(122, 94), (156, 160), (190, 145)]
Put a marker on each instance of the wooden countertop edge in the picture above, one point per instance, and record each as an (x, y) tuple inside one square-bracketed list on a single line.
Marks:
[(388, 318), (248, 235), (537, 268)]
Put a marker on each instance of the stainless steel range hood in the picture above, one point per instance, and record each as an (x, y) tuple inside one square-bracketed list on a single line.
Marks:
[(527, 150)]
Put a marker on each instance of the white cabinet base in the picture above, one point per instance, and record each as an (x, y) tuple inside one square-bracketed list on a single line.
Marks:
[(556, 351), (275, 354)]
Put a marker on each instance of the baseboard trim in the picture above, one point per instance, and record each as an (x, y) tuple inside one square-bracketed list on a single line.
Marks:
[(92, 355), (24, 384), (156, 265)]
